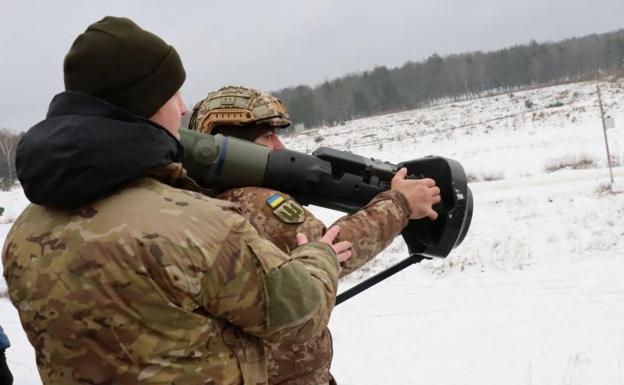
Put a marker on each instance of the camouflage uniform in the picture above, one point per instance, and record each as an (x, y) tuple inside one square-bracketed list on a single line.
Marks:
[(159, 285), (371, 230)]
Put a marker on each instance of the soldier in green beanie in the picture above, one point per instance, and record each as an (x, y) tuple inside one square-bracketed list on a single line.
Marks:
[(122, 273), (129, 67)]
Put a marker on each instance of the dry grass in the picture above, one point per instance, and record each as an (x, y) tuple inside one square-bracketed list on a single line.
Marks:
[(484, 176), (570, 161), (608, 189)]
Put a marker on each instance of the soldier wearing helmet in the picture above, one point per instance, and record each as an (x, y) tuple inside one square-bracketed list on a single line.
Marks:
[(257, 116), (121, 271), (243, 113)]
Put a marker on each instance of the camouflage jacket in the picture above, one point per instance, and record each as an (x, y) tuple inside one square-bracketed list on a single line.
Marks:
[(371, 230), (158, 285)]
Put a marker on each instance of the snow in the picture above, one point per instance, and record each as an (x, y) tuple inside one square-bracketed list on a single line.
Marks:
[(559, 324), (534, 295)]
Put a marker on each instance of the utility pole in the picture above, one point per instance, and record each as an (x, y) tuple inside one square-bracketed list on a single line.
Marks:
[(604, 130)]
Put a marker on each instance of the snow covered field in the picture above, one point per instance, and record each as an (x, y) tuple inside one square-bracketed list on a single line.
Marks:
[(534, 295)]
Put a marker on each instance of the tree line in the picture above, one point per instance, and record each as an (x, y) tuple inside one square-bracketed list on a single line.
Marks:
[(453, 77)]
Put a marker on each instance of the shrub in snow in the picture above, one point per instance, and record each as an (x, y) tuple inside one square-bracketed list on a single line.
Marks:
[(570, 161), (555, 104), (609, 189), (484, 176)]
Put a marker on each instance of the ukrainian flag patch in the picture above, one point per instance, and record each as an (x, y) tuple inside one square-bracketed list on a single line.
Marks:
[(275, 200), (287, 210)]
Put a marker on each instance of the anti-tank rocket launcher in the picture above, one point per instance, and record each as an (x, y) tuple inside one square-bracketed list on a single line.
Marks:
[(337, 180)]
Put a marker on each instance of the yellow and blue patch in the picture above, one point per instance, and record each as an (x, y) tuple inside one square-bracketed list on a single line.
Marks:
[(275, 200), (287, 211)]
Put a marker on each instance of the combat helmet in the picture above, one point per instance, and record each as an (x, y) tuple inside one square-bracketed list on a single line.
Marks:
[(238, 106)]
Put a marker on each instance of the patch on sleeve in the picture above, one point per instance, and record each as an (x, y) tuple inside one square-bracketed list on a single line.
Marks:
[(275, 200), (287, 211)]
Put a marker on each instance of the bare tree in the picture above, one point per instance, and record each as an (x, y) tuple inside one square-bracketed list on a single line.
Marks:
[(8, 146)]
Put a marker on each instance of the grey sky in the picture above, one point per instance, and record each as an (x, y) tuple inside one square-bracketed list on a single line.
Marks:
[(272, 44)]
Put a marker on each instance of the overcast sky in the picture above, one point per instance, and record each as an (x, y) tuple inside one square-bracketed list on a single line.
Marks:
[(272, 44)]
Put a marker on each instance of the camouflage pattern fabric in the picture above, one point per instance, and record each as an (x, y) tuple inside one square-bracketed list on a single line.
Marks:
[(158, 285), (235, 105), (371, 230)]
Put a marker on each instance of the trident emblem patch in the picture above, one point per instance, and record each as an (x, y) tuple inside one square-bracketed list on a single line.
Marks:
[(287, 210)]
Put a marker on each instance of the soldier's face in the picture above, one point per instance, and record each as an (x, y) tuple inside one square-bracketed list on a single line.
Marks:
[(271, 140), (170, 115)]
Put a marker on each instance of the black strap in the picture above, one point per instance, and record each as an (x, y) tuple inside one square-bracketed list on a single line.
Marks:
[(375, 279)]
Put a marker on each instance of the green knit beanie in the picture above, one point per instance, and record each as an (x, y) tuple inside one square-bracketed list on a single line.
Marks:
[(116, 60)]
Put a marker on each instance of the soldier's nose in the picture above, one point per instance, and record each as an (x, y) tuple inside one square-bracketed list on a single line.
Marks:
[(277, 144)]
